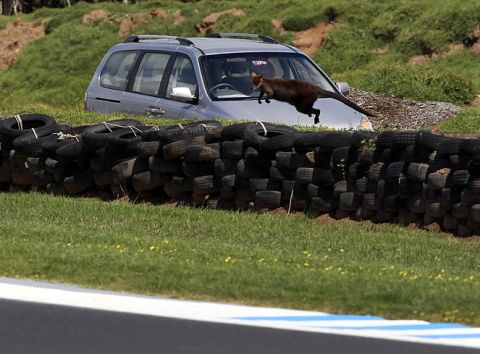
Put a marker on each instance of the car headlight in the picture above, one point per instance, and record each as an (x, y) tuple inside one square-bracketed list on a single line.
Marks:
[(365, 124)]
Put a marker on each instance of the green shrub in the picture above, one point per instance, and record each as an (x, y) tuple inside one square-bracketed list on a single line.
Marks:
[(420, 83)]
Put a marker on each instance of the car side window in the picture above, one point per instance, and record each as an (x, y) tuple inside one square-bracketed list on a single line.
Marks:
[(182, 75), (150, 73), (114, 74)]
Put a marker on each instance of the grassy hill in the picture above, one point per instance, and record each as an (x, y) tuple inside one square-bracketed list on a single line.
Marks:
[(369, 43)]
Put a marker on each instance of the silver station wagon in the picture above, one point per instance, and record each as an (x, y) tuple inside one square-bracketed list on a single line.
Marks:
[(208, 78)]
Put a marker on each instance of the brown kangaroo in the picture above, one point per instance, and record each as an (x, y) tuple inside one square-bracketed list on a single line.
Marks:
[(300, 94)]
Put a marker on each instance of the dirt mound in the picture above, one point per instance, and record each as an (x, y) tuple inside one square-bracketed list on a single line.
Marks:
[(402, 114), (94, 17), (15, 37), (311, 39), (132, 22), (208, 22)]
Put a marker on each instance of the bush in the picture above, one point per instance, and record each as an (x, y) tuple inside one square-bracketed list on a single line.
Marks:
[(420, 83)]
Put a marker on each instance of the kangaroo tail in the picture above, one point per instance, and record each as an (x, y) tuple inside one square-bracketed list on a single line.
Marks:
[(343, 99)]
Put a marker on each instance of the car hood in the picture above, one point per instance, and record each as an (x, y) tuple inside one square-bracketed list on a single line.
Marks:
[(333, 114)]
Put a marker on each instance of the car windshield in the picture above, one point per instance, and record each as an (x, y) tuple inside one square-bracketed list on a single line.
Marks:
[(229, 77)]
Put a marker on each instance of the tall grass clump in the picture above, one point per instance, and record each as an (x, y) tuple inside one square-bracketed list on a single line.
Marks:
[(420, 83)]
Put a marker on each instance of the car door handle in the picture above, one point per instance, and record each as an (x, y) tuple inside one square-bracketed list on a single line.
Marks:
[(154, 112)]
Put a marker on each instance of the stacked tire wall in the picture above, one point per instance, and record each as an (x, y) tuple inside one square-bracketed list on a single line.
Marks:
[(406, 177)]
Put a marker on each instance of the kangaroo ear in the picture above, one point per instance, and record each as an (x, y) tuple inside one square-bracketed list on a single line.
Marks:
[(254, 74)]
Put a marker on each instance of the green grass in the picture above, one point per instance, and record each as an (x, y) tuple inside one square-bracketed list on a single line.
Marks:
[(464, 122), (249, 258)]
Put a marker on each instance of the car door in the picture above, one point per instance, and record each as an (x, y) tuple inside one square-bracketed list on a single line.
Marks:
[(113, 79), (142, 94), (181, 82)]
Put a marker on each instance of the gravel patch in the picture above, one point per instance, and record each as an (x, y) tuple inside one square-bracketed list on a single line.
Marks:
[(394, 113)]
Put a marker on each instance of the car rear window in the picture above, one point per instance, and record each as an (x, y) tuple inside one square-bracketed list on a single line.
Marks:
[(115, 72)]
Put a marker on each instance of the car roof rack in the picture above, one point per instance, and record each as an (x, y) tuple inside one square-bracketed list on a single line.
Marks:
[(137, 37), (263, 38)]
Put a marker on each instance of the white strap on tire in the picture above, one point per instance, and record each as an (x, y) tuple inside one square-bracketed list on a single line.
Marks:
[(35, 133), (19, 121), (263, 126)]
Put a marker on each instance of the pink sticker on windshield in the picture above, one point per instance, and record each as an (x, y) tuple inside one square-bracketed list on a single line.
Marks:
[(259, 62)]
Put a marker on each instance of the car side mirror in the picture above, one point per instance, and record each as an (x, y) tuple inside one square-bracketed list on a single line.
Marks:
[(182, 94), (343, 87)]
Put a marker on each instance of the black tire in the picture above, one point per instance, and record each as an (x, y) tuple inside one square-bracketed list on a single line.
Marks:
[(348, 201), (361, 138), (35, 163), (395, 170), (255, 133), (449, 222), (460, 211), (182, 184), (201, 153), (71, 151), (392, 203), (280, 174), (188, 131), (312, 190), (474, 184), (51, 144), (449, 146), (178, 148), (328, 140), (197, 169), (437, 181), (230, 181), (9, 128), (340, 157), (244, 169), (263, 184), (460, 178), (430, 140), (205, 184), (416, 204), (268, 199), (145, 149), (126, 169), (361, 186), (5, 174), (124, 140), (97, 136), (253, 158), (402, 139), (385, 140), (320, 159), (234, 131), (41, 178), (160, 165), (272, 146), (371, 202), (418, 171), (154, 133), (30, 144), (289, 160), (340, 187), (469, 146), (103, 178), (321, 177), (376, 172), (223, 167), (323, 204), (78, 183), (148, 181), (459, 162), (233, 149), (436, 209)]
